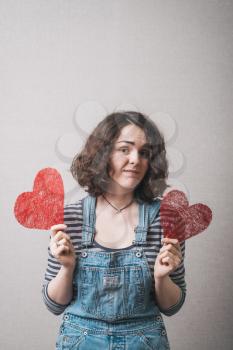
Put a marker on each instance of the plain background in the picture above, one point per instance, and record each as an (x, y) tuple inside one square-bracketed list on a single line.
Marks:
[(170, 57)]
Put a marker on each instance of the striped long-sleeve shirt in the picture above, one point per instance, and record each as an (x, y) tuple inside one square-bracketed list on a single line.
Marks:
[(73, 219)]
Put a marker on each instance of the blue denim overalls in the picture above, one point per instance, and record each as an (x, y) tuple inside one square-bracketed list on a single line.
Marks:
[(113, 308)]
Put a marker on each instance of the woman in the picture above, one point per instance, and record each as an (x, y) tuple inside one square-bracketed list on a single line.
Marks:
[(109, 267)]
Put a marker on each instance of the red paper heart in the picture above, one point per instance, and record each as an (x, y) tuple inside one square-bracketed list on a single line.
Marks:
[(43, 207), (181, 221)]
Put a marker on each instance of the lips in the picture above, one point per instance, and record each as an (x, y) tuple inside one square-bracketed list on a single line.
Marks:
[(131, 173)]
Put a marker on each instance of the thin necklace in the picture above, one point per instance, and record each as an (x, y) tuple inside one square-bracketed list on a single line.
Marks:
[(118, 209)]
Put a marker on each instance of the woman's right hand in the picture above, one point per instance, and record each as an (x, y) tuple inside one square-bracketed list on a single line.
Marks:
[(61, 246)]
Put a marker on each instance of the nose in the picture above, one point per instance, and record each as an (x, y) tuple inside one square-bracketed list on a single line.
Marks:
[(134, 157)]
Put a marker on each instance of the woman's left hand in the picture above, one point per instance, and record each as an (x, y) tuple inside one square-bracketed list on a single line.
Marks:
[(168, 259)]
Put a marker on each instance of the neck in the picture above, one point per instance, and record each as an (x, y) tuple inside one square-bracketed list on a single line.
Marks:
[(119, 199), (118, 194)]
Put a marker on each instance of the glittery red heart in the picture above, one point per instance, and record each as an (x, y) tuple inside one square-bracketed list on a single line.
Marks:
[(43, 207), (181, 221)]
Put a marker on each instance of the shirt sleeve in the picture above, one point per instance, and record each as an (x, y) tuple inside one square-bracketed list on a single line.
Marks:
[(73, 220), (51, 305), (178, 277), (53, 266)]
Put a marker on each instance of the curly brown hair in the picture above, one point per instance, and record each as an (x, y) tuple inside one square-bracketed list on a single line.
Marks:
[(90, 166)]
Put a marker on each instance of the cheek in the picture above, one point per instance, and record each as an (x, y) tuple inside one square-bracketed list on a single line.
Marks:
[(116, 162), (146, 166), (112, 166)]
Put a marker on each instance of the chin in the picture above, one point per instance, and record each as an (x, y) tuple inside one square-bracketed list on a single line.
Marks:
[(129, 186), (126, 186)]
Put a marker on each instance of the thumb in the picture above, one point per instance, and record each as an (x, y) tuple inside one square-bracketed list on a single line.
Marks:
[(58, 227)]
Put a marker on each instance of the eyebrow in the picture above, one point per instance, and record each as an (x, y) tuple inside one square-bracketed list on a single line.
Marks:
[(133, 143)]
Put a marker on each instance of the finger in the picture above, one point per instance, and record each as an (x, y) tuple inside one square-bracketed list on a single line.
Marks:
[(62, 241), (170, 240), (67, 237), (56, 228), (172, 262), (176, 252), (164, 255), (56, 251), (176, 260), (174, 242), (172, 249), (60, 235), (169, 262), (166, 259), (62, 250)]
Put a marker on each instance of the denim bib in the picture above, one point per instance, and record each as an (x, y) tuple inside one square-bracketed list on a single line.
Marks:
[(113, 291)]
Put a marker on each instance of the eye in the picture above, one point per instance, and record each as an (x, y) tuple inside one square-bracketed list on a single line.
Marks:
[(124, 150), (145, 153)]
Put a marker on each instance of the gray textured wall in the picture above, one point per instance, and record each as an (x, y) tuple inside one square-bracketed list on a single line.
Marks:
[(171, 57)]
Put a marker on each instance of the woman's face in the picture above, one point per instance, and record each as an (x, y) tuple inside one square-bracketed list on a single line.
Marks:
[(129, 159)]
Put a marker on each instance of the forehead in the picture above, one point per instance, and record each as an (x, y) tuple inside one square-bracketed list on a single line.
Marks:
[(132, 133)]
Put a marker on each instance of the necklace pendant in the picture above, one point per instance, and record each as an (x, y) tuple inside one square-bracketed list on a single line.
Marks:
[(118, 211)]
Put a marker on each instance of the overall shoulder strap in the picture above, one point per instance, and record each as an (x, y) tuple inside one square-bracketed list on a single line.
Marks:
[(88, 219), (147, 214), (154, 209)]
